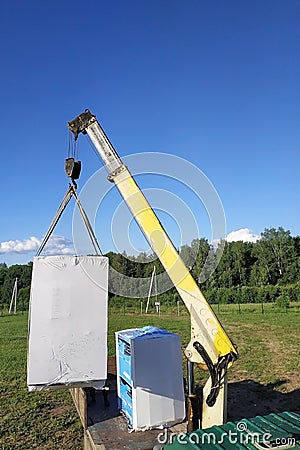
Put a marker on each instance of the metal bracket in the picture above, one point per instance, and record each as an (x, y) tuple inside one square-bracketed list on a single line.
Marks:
[(81, 122), (111, 176)]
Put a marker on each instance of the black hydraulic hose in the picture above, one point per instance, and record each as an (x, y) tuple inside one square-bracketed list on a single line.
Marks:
[(215, 386)]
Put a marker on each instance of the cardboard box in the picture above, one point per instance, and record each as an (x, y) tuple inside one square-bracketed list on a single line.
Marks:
[(68, 322), (150, 378)]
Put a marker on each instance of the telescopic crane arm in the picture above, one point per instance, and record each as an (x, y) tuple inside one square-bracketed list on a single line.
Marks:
[(210, 346)]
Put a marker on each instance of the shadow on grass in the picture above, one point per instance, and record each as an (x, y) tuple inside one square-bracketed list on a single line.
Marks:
[(249, 398)]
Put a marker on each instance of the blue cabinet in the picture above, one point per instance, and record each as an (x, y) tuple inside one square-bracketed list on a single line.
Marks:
[(150, 379)]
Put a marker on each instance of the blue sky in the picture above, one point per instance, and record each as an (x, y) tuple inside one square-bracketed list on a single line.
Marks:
[(215, 83)]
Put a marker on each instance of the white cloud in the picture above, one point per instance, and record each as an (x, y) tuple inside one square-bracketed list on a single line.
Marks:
[(25, 246), (57, 245), (244, 234)]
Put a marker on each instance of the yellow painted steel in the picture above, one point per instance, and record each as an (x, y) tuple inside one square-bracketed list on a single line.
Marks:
[(205, 327)]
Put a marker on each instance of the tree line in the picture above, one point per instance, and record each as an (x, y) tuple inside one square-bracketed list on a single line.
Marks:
[(264, 271), (7, 280)]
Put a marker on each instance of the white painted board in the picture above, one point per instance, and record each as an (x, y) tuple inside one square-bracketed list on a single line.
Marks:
[(67, 343)]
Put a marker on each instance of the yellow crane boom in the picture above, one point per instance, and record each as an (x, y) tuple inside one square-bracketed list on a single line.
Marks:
[(209, 346)]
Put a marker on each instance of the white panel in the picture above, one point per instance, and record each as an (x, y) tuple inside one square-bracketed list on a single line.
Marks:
[(156, 377), (68, 322)]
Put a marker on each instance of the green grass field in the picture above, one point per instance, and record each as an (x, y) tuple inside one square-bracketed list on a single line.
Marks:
[(269, 352)]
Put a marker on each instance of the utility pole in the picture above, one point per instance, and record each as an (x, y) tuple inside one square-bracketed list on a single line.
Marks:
[(153, 281), (14, 297)]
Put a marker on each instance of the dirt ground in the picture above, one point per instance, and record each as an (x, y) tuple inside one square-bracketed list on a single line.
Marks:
[(248, 398)]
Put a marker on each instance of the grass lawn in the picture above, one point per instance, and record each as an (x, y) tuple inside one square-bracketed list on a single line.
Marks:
[(44, 420), (269, 355)]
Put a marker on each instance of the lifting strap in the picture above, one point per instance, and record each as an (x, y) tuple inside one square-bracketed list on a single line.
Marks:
[(68, 195)]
